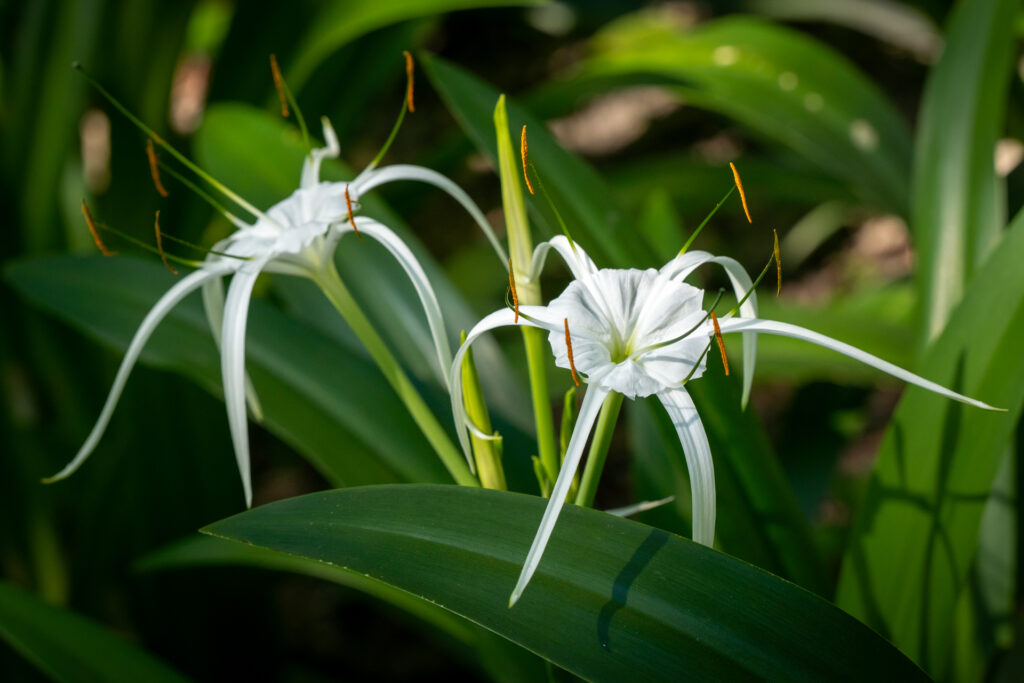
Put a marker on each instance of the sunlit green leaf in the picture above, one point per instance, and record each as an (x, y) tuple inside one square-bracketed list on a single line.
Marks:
[(611, 600)]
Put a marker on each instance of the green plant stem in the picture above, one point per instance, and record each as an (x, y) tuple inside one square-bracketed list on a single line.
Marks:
[(486, 452), (599, 449), (330, 282), (536, 361)]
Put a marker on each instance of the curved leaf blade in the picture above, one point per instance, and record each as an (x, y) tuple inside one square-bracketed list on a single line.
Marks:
[(69, 647), (612, 599)]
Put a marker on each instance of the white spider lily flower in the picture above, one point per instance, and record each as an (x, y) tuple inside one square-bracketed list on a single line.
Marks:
[(644, 333), (296, 236)]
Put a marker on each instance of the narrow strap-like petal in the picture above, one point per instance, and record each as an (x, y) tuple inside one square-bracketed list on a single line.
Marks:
[(680, 268), (501, 318), (796, 332), (311, 166), (589, 410), (701, 469), (213, 304), (236, 312), (388, 174), (579, 263), (394, 244), (168, 301)]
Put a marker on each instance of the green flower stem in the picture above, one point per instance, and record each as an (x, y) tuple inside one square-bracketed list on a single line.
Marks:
[(599, 449), (330, 282), (537, 355), (487, 452)]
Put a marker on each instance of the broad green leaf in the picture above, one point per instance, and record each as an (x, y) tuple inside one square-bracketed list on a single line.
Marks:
[(903, 26), (781, 84), (584, 202), (936, 469), (957, 208), (301, 376), (611, 600), (505, 661), (339, 23), (69, 647)]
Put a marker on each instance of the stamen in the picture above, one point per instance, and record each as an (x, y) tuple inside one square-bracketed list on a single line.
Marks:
[(512, 285), (739, 186), (223, 189), (160, 243), (92, 229), (351, 218), (568, 345), (279, 85), (704, 222), (696, 365), (522, 153), (153, 168), (409, 79), (721, 342), (778, 263)]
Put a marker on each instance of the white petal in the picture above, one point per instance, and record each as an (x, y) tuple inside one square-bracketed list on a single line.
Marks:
[(636, 508), (701, 469), (680, 268), (589, 409), (501, 318), (213, 304), (796, 332), (311, 166), (163, 306), (389, 174), (428, 299), (236, 312), (580, 265)]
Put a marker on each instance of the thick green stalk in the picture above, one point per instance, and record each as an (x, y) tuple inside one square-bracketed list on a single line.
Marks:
[(330, 282), (486, 452), (520, 247), (599, 449)]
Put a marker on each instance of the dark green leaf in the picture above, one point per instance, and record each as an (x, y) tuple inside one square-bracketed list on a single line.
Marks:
[(68, 647), (611, 600)]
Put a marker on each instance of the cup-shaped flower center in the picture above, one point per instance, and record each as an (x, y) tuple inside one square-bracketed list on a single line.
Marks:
[(637, 332)]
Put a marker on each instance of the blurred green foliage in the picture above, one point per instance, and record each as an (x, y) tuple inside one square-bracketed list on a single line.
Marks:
[(845, 123)]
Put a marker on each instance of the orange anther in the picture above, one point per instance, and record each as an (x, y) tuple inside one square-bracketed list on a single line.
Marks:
[(92, 229), (351, 218), (512, 285), (568, 345), (522, 153), (154, 169), (721, 343), (279, 85), (160, 243), (778, 263), (739, 186), (409, 79)]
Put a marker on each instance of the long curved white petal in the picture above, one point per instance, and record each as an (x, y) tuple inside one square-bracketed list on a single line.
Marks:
[(394, 244), (388, 174), (580, 265), (163, 306), (236, 312), (213, 305), (796, 332), (699, 465), (589, 409), (683, 265), (501, 318), (311, 166)]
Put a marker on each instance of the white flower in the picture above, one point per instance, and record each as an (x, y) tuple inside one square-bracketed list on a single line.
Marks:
[(644, 333), (296, 236)]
